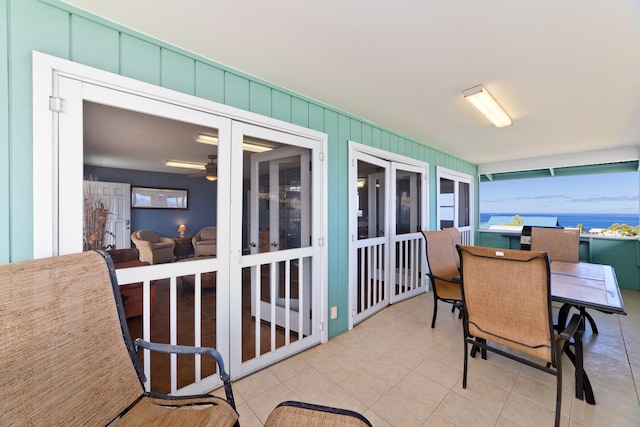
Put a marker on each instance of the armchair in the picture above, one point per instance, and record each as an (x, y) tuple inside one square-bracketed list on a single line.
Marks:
[(153, 248), (204, 242)]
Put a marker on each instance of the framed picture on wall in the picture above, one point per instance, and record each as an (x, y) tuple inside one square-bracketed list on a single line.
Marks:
[(159, 198)]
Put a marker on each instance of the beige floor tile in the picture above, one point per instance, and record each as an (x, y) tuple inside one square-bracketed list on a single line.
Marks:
[(484, 393), (389, 369), (528, 413), (375, 419), (611, 409), (247, 417), (575, 423), (491, 373), (289, 368), (543, 393), (411, 401), (263, 404), (338, 397), (436, 420), (337, 367), (365, 387), (440, 372), (465, 412), (506, 422), (397, 371), (255, 384), (309, 384)]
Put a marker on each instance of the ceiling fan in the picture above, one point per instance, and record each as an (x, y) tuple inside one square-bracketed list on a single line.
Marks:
[(210, 171)]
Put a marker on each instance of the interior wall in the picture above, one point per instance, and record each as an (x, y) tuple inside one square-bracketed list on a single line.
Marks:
[(202, 196), (58, 29)]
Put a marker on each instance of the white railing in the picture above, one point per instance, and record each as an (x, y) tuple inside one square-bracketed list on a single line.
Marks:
[(167, 275), (371, 274), (409, 260)]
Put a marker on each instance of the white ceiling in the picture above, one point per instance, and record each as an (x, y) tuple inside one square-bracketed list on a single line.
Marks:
[(568, 72)]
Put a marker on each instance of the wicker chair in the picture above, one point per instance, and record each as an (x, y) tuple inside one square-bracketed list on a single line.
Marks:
[(443, 271), (507, 301), (68, 359), (204, 242), (153, 248)]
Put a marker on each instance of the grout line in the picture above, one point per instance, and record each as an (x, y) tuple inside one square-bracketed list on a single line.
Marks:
[(626, 350)]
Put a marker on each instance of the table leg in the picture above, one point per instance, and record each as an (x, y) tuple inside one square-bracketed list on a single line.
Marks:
[(584, 391), (563, 315)]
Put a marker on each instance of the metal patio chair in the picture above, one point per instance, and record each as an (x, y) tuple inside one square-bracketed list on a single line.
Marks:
[(506, 298), (443, 271), (68, 359), (562, 244)]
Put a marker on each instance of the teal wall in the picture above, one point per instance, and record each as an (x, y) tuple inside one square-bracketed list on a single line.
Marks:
[(57, 29)]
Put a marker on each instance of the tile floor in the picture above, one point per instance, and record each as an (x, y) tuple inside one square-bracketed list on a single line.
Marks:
[(397, 371)]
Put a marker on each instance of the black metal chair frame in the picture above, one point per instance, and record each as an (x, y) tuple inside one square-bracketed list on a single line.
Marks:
[(432, 277), (135, 346), (562, 344)]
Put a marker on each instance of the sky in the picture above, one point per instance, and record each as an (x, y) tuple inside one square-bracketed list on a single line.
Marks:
[(604, 193)]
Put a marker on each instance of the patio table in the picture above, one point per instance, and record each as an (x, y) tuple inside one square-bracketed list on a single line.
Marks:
[(584, 286)]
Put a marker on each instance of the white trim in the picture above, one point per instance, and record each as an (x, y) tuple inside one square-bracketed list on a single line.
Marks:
[(378, 156), (47, 71), (611, 155), (44, 64), (387, 155), (442, 172)]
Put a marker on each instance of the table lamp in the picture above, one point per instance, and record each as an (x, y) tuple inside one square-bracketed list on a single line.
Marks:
[(181, 229)]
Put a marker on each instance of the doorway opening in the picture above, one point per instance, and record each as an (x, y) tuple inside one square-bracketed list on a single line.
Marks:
[(204, 300), (388, 211)]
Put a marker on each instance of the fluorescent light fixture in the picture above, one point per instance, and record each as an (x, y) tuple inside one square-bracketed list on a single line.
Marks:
[(207, 139), (187, 165), (255, 148), (213, 140), (484, 102)]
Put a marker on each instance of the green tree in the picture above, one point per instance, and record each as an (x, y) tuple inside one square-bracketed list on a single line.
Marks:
[(516, 220), (623, 230)]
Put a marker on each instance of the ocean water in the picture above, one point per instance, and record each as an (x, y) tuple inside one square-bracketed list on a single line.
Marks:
[(588, 220)]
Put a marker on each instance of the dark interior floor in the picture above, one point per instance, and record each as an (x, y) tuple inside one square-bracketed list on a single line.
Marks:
[(160, 332)]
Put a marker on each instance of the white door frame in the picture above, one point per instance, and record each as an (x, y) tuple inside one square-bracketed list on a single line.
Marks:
[(408, 247), (59, 165), (357, 150), (467, 232), (316, 276)]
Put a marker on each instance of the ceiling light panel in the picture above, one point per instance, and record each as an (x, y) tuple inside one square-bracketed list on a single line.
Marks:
[(480, 98), (246, 146), (186, 165)]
